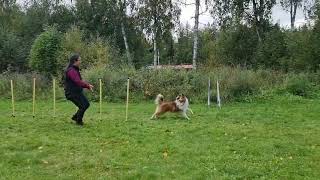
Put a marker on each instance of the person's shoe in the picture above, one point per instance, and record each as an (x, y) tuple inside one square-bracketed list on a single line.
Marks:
[(74, 117), (79, 122)]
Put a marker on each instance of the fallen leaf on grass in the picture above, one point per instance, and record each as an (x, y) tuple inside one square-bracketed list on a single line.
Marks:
[(45, 162), (165, 155)]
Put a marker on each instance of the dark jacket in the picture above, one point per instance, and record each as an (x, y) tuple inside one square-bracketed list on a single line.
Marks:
[(73, 84)]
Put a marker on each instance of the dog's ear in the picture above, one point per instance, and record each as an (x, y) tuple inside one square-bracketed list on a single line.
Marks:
[(182, 95)]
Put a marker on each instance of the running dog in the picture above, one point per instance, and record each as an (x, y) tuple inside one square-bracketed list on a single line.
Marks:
[(181, 104)]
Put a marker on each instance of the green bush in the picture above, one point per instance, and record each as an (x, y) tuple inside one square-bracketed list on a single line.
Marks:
[(170, 83), (299, 84), (72, 42), (272, 51), (11, 52), (243, 85), (44, 52), (237, 46), (236, 84), (94, 53), (299, 50), (114, 83), (23, 86)]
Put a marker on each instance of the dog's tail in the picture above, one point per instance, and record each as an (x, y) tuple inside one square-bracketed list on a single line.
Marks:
[(159, 99)]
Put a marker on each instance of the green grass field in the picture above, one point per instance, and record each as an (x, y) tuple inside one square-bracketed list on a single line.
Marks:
[(277, 139)]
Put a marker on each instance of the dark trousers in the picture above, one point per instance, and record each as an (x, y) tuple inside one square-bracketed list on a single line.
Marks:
[(82, 103)]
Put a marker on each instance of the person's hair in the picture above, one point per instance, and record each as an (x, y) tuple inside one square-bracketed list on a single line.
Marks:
[(73, 59)]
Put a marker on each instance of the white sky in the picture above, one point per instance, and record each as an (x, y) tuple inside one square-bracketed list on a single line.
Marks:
[(278, 15)]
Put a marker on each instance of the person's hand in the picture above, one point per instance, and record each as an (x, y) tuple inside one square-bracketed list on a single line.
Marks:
[(91, 87)]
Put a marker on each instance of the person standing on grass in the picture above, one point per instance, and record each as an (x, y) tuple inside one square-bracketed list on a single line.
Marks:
[(73, 87)]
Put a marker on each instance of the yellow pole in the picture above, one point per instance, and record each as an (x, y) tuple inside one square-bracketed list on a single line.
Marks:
[(12, 98), (127, 99), (34, 97), (100, 108), (54, 97)]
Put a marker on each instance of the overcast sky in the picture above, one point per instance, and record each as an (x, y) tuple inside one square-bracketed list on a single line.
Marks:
[(278, 15)]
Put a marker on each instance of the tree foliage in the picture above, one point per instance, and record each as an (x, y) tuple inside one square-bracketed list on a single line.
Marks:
[(117, 32), (43, 55)]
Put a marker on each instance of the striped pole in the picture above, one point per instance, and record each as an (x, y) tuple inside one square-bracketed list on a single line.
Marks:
[(12, 98), (127, 105)]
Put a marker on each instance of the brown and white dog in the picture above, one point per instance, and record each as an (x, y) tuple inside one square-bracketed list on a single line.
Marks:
[(181, 104)]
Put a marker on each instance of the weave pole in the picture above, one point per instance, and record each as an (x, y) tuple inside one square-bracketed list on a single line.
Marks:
[(127, 105), (100, 102), (209, 87), (54, 97), (12, 98), (34, 98), (218, 95)]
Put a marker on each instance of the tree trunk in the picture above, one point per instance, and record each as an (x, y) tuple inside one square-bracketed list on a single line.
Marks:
[(155, 35), (293, 12), (171, 51), (158, 56), (155, 48), (256, 19), (126, 44), (196, 35), (155, 53), (123, 6)]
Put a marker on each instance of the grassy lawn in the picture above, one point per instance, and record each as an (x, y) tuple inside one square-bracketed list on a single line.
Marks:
[(278, 139)]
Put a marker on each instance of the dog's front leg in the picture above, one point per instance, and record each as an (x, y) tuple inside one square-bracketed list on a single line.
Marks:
[(153, 116), (190, 110), (184, 114)]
